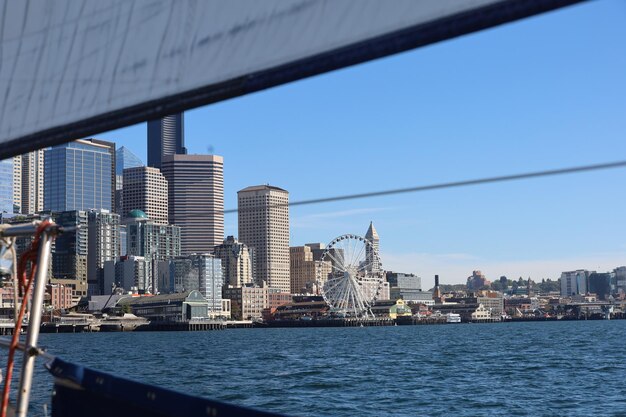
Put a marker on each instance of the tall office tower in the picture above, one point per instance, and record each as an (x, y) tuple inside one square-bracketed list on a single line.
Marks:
[(78, 176), (103, 245), (166, 136), (145, 189), (264, 226), (196, 199), (32, 182), (69, 256), (304, 270), (236, 262), (155, 242), (111, 149), (372, 262), (124, 159), (17, 185), (6, 186)]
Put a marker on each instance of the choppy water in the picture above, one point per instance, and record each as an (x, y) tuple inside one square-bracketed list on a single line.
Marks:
[(513, 369)]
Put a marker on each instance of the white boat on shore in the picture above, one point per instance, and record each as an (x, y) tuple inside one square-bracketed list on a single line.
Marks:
[(453, 318)]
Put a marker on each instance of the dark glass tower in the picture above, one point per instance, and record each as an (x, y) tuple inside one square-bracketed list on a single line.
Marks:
[(166, 136)]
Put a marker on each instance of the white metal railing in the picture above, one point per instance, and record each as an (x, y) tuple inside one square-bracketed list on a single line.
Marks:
[(30, 348)]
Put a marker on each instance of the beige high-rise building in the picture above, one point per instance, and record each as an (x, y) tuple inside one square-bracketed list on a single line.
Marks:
[(145, 189), (304, 270), (196, 199), (264, 226), (236, 262), (32, 180)]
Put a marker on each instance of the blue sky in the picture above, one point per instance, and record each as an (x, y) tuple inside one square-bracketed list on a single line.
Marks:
[(542, 93)]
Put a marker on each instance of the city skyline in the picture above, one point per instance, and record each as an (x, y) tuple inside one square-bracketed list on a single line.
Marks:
[(429, 134), (425, 122)]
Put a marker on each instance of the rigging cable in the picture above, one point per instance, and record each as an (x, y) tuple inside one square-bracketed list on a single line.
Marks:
[(454, 184)]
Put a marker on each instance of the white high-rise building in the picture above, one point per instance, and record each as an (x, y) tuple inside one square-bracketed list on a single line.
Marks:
[(31, 182), (264, 227), (102, 245), (17, 183), (145, 189), (575, 282)]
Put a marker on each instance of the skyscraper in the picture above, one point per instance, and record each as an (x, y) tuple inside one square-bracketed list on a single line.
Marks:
[(166, 136), (6, 186), (32, 182), (103, 245), (69, 257), (264, 226), (110, 146), (145, 189), (372, 256), (17, 185), (124, 159), (196, 200), (78, 176)]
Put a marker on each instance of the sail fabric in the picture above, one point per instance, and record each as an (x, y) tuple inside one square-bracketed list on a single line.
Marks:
[(70, 69)]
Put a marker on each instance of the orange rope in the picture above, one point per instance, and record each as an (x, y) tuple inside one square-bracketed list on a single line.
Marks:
[(24, 286)]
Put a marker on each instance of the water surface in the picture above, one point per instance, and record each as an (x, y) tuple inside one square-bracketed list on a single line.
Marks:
[(516, 369)]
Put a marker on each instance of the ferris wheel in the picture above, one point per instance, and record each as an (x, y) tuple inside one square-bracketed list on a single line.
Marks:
[(355, 278)]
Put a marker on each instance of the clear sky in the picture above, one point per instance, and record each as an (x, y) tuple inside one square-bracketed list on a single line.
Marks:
[(542, 93)]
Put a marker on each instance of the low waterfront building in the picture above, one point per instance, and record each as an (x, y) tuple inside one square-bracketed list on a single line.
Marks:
[(102, 303), (247, 303), (493, 302), (464, 310), (517, 306), (60, 296), (392, 309), (276, 298), (482, 314), (178, 307), (300, 309)]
